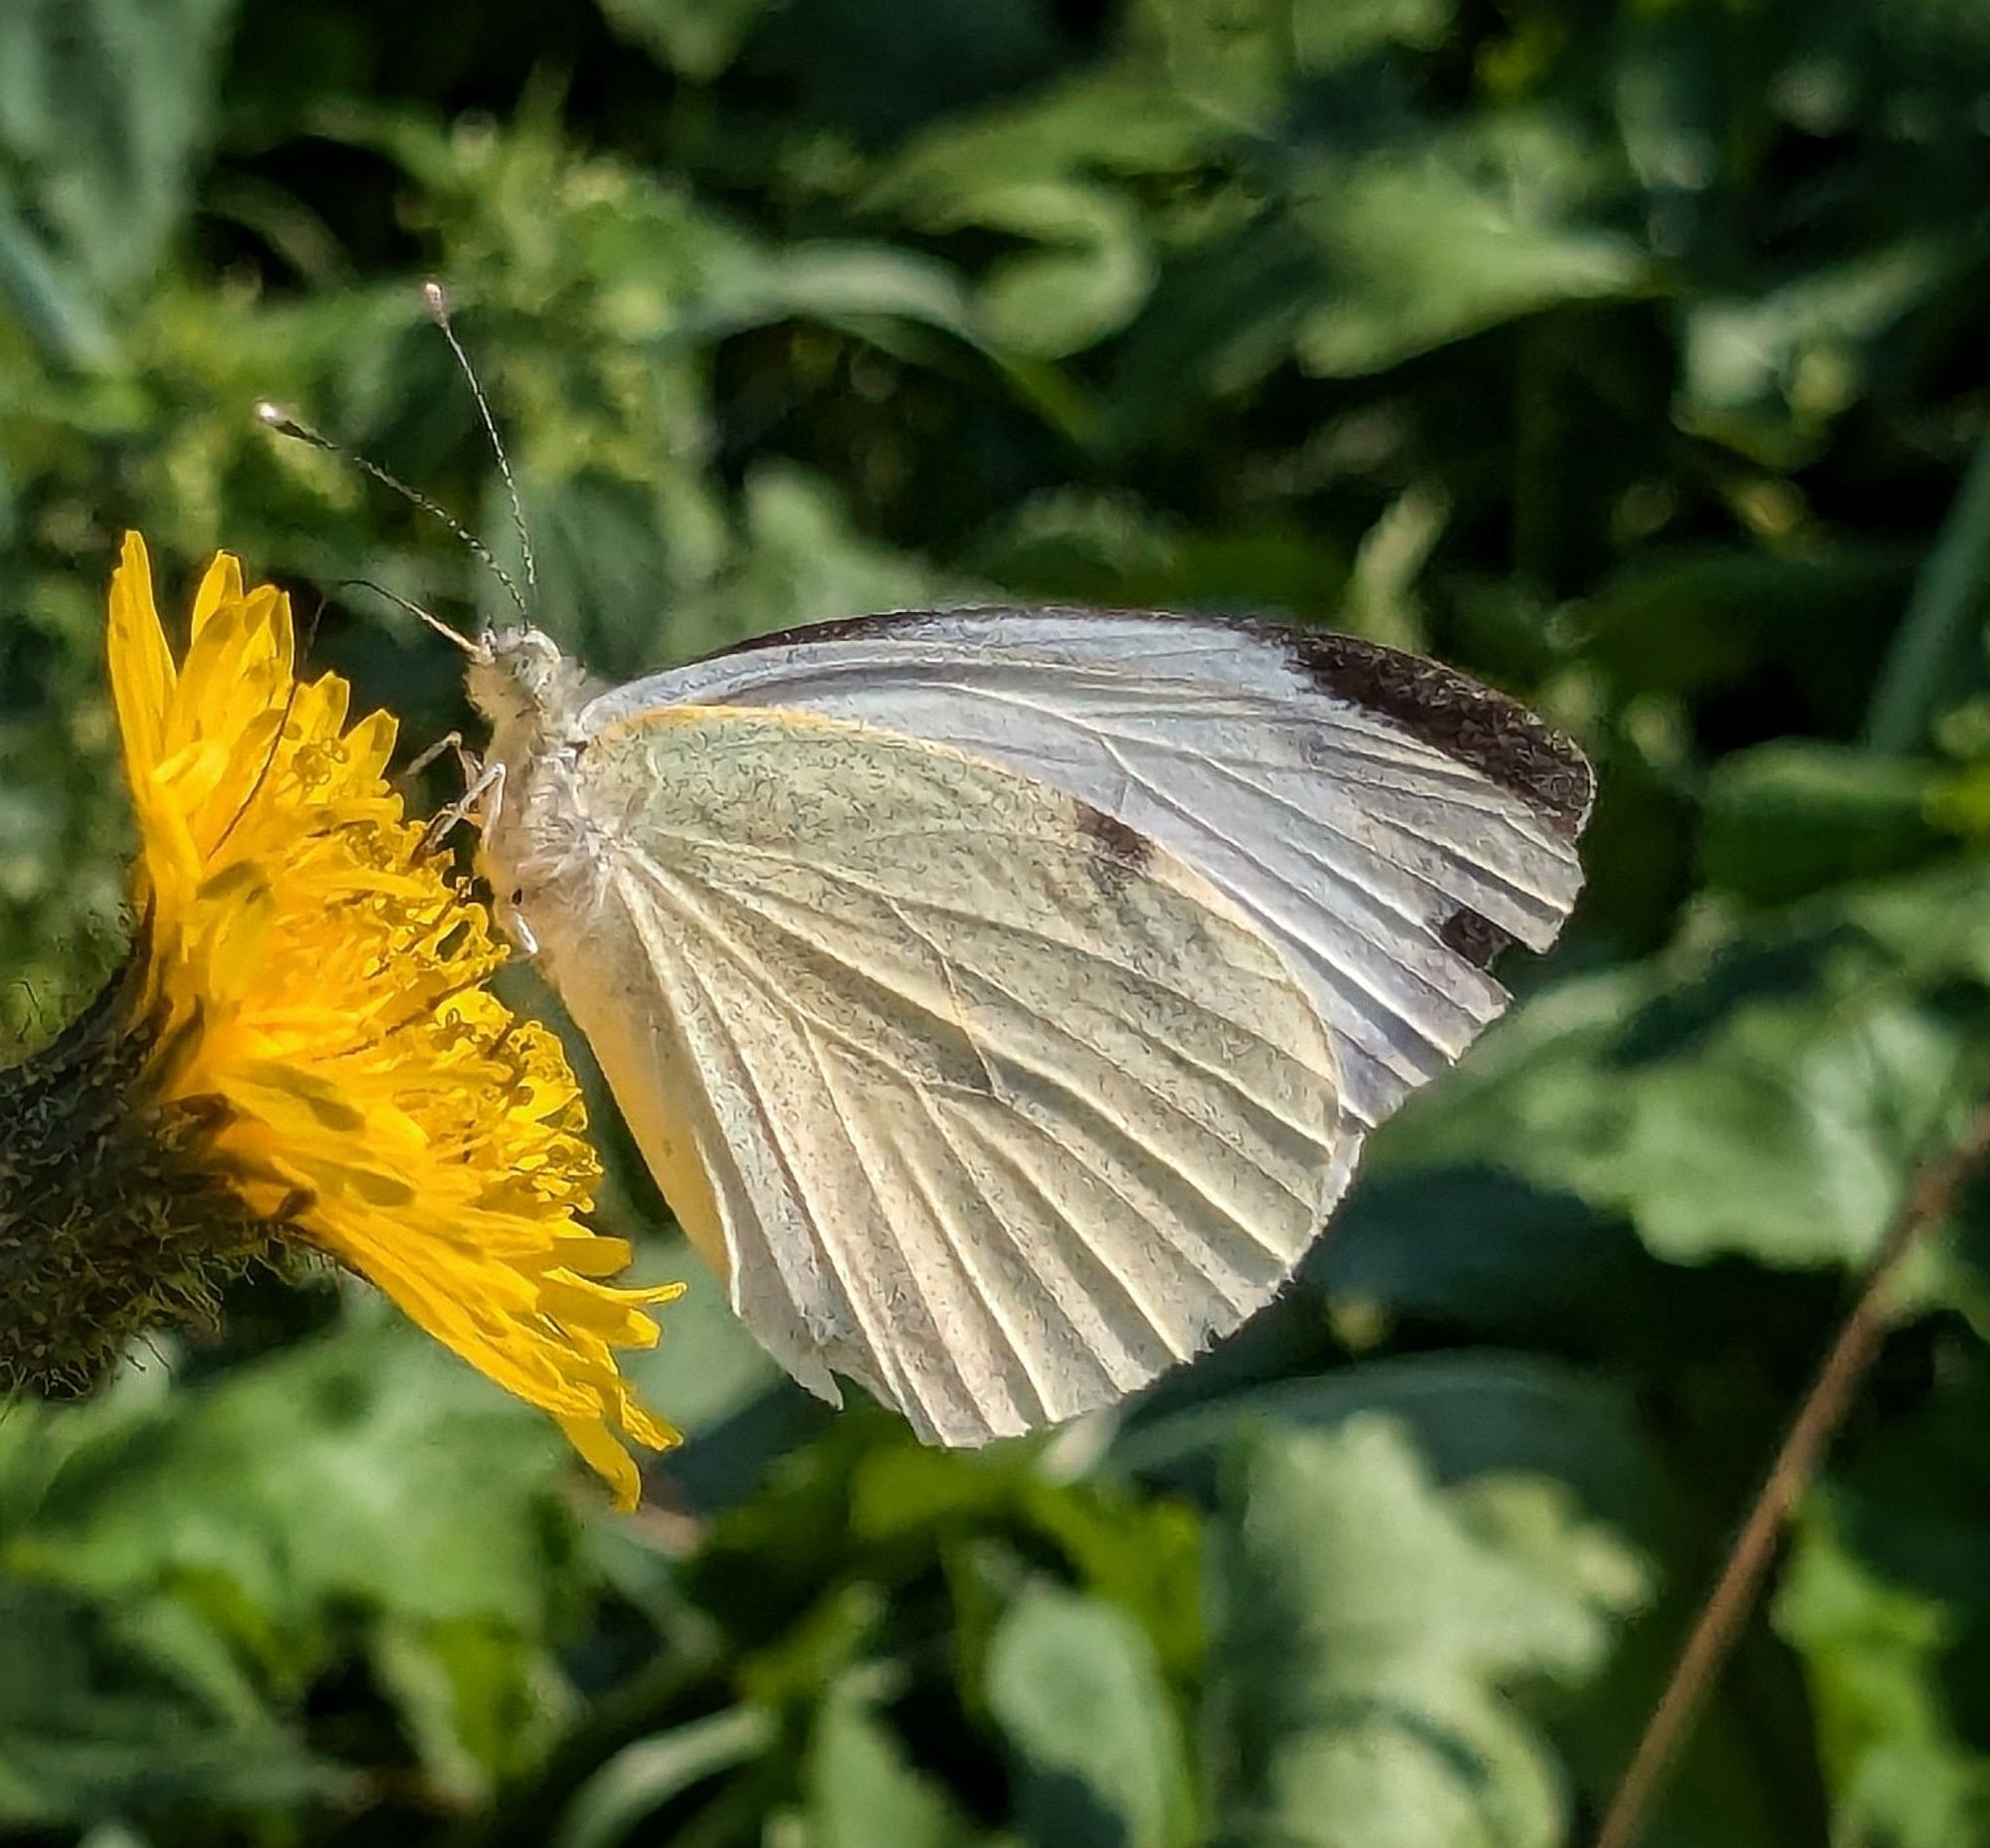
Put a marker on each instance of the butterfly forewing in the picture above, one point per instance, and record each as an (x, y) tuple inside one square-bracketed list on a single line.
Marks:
[(1388, 823)]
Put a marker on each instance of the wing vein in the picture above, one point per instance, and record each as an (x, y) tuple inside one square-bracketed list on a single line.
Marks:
[(1349, 978), (911, 1393)]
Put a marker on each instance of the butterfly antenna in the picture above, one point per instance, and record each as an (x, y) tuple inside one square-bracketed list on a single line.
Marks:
[(438, 304), (477, 651), (275, 417)]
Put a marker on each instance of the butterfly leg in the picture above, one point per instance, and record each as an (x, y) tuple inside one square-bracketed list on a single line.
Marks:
[(484, 789), (449, 740), (483, 798)]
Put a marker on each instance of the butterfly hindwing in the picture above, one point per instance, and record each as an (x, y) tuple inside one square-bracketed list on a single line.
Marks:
[(977, 1095)]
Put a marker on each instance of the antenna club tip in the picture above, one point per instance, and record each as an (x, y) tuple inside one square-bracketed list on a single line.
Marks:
[(275, 417), (437, 298)]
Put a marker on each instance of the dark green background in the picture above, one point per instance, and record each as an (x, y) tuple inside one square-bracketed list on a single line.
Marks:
[(1632, 357)]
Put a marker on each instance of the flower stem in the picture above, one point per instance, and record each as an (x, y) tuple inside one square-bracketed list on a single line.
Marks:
[(1735, 1591)]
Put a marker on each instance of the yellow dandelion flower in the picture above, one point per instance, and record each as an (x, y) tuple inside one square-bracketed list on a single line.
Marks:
[(315, 1027)]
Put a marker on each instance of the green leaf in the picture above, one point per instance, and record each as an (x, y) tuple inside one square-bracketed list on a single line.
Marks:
[(1789, 819), (1073, 1684), (1245, 57), (1327, 33), (1874, 1656), (1486, 1250), (1470, 1413), (120, 1710), (1366, 1626), (1375, 250), (861, 1791), (1235, 60), (1042, 172), (877, 70), (1937, 659), (1771, 1093), (640, 1779), (1092, 272), (105, 105), (1419, 248), (480, 1702), (800, 559), (1798, 1140), (1142, 1554), (854, 284), (53, 309), (1137, 1553), (1763, 372), (445, 1503), (699, 38), (1888, 1599), (618, 557), (1695, 620), (1109, 550), (1119, 119)]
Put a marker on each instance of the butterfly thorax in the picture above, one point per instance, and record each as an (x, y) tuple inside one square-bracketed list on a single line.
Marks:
[(535, 835)]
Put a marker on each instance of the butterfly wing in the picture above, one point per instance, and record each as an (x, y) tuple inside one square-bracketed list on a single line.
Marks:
[(1388, 823), (978, 1096)]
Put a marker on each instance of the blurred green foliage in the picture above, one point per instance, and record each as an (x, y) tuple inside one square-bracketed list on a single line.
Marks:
[(1626, 354)]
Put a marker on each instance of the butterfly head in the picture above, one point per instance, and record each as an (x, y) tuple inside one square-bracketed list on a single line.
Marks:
[(519, 676)]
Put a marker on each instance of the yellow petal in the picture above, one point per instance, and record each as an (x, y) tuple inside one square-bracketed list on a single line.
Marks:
[(142, 666), (221, 584)]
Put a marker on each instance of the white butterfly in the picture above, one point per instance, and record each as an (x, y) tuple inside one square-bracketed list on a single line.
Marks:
[(1001, 996)]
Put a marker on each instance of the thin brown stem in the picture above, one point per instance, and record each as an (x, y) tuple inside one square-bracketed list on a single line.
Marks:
[(1729, 1604)]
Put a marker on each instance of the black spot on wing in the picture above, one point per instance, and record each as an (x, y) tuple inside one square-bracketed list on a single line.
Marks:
[(1474, 937), (1118, 852)]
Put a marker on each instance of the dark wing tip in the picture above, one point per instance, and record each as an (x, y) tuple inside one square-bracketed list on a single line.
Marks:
[(1495, 735)]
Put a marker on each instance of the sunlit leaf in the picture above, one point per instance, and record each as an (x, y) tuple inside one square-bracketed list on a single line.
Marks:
[(1771, 1095), (862, 1790), (1886, 1602), (1422, 245), (1098, 1750), (1874, 1653), (1364, 1634), (1765, 372), (444, 1504)]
